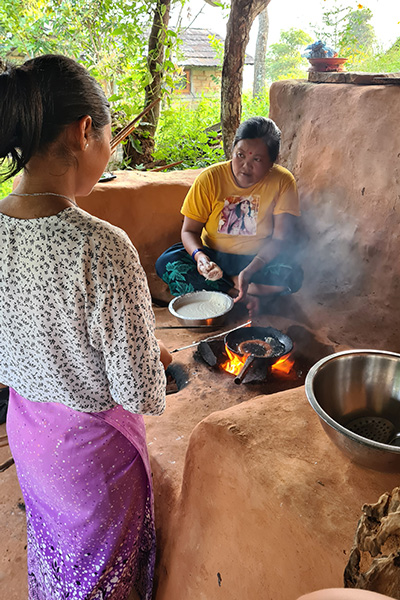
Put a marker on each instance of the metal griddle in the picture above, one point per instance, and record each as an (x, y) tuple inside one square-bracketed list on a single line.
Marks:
[(280, 343)]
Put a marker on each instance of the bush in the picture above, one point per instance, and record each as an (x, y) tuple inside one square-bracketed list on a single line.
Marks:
[(254, 107), (181, 134)]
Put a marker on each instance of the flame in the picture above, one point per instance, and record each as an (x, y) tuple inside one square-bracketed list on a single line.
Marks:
[(283, 365), (234, 363)]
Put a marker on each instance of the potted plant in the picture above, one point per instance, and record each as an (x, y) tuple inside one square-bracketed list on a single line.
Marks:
[(327, 63), (322, 58)]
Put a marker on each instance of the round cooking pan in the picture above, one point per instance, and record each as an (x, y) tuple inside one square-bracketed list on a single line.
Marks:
[(262, 343)]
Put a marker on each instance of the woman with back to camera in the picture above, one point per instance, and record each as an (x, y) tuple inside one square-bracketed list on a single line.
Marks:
[(78, 346), (239, 222)]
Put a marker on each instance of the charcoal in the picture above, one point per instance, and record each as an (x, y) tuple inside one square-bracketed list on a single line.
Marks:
[(207, 354)]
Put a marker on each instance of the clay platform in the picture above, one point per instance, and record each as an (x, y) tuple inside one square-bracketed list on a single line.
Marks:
[(247, 485)]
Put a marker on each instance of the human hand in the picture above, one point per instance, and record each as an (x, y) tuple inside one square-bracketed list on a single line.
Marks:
[(165, 355), (243, 282), (208, 269)]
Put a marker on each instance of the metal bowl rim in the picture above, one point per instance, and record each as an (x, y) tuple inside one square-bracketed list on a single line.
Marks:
[(175, 314), (328, 419)]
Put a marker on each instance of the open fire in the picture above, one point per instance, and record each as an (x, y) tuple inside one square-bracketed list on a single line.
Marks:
[(283, 365), (236, 362), (253, 355), (270, 373)]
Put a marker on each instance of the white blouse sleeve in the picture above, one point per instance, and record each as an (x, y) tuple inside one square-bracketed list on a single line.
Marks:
[(121, 328)]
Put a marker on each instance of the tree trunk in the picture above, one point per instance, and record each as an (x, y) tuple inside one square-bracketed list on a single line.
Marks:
[(261, 50), (241, 17), (144, 134)]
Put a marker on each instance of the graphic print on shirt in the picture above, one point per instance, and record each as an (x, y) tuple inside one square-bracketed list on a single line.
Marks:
[(239, 215)]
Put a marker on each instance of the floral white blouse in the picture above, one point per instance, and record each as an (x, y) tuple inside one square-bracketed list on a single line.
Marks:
[(76, 323)]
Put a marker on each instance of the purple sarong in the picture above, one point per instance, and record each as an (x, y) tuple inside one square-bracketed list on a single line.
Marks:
[(86, 482)]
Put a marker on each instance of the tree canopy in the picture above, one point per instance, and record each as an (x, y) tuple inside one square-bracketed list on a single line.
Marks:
[(284, 60), (109, 37), (347, 30)]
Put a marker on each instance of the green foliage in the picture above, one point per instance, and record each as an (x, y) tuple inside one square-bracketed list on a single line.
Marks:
[(381, 62), (333, 18), (109, 37), (182, 131), (347, 30), (284, 60), (358, 36), (5, 188), (253, 107), (181, 134), (218, 46)]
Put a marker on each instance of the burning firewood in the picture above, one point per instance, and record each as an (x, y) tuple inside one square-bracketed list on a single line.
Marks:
[(374, 562)]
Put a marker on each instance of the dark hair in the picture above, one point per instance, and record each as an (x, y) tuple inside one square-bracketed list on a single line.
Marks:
[(38, 99), (265, 129), (238, 208)]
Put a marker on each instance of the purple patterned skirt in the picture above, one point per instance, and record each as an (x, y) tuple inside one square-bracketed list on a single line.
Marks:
[(86, 482)]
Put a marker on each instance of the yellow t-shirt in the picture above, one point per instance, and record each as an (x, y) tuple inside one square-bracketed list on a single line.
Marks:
[(238, 220)]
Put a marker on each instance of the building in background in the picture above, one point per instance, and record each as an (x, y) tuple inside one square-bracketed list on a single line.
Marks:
[(200, 61)]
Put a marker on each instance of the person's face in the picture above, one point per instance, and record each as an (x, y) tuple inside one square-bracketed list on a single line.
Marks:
[(244, 207), (250, 162)]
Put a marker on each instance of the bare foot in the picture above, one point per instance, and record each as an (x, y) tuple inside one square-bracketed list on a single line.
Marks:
[(253, 305)]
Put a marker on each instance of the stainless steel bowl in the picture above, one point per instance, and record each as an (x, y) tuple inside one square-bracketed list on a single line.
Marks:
[(203, 296), (356, 394)]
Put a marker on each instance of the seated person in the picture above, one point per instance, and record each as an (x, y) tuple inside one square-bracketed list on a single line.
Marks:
[(239, 221)]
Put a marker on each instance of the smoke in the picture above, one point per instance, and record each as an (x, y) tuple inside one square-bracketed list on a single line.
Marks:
[(330, 255)]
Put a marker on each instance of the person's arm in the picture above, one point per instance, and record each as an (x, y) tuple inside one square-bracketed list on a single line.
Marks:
[(191, 235), (282, 231), (191, 239), (165, 355), (121, 328)]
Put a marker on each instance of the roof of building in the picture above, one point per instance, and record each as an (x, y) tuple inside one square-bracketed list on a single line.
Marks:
[(196, 49)]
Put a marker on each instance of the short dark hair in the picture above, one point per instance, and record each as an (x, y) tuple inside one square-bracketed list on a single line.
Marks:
[(263, 128), (38, 99)]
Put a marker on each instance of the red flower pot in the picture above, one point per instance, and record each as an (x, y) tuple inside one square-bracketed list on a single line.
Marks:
[(327, 64)]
